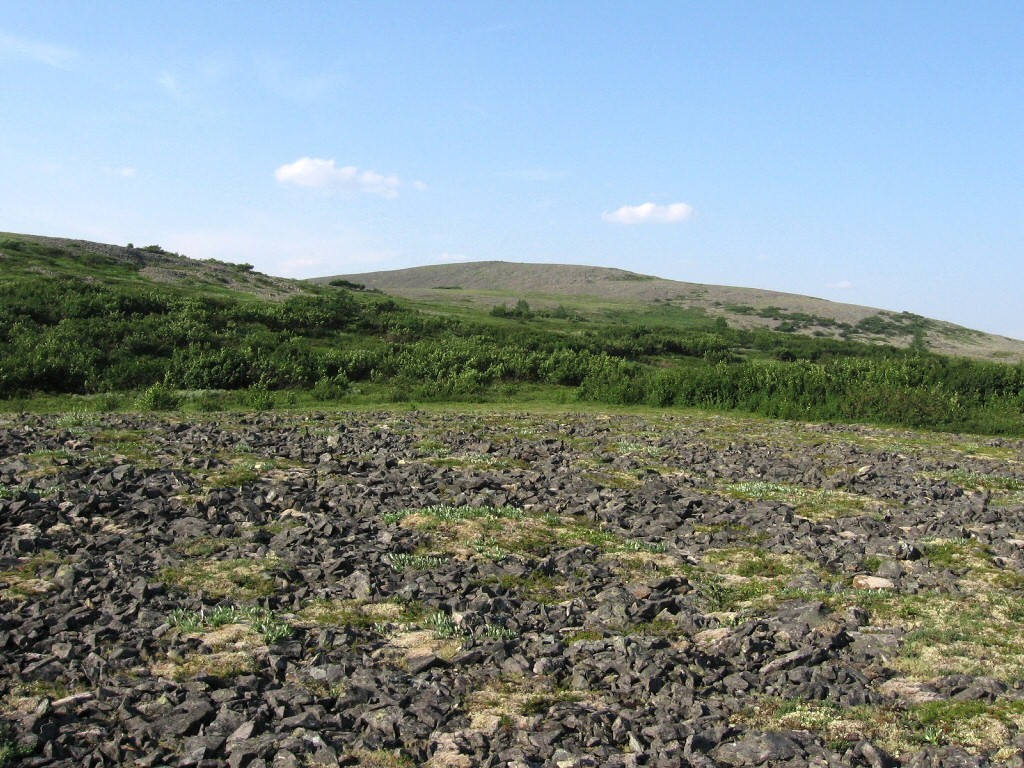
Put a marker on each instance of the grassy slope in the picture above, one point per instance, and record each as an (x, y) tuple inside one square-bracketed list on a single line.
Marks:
[(62, 257), (601, 295), (91, 318), (618, 295)]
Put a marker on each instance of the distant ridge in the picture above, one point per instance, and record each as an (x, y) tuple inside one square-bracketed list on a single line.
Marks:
[(497, 282), (161, 266)]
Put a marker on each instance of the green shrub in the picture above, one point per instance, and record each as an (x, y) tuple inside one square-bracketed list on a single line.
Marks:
[(259, 398), (107, 402), (10, 750), (159, 397), (330, 388)]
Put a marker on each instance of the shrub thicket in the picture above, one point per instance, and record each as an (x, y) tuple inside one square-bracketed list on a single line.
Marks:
[(64, 335)]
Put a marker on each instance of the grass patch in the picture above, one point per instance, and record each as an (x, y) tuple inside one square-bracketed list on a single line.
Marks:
[(202, 546), (499, 632), (981, 633), (1005, 490), (401, 561), (220, 664), (616, 479), (979, 727), (379, 758), (813, 503), (497, 532), (583, 636), (656, 628), (721, 595), (29, 579), (48, 463), (961, 555), (511, 699), (324, 612), (443, 626), (232, 638), (262, 621), (10, 750), (750, 562), (539, 587), (241, 579), (720, 528), (978, 481), (444, 513), (635, 448), (475, 461)]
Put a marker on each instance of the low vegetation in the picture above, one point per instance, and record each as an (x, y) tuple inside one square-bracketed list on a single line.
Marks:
[(976, 725), (90, 325), (242, 579), (813, 503)]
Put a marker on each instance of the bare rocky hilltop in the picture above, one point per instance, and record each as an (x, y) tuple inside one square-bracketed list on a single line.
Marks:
[(494, 282), (483, 589)]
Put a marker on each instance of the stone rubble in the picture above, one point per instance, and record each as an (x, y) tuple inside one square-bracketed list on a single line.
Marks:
[(557, 657)]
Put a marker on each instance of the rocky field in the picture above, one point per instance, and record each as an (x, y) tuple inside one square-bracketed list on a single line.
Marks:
[(461, 589)]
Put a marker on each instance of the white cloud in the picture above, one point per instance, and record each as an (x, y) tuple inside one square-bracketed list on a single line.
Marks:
[(419, 186), (650, 212), (317, 173), (842, 284), (126, 172), (19, 48)]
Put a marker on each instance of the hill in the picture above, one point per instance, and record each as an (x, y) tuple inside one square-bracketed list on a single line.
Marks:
[(140, 327), (609, 292), (63, 257)]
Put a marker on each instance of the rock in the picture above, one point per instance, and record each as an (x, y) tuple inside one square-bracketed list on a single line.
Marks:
[(575, 641), (187, 720), (874, 756), (758, 749), (861, 581)]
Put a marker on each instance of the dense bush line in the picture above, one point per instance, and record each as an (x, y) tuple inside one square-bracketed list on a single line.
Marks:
[(64, 335)]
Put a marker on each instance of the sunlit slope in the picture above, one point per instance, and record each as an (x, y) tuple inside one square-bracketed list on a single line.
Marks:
[(608, 293)]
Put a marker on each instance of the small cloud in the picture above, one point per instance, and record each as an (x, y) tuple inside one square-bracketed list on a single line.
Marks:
[(453, 257), (317, 173), (650, 213), (126, 172), (419, 186), (842, 285), (20, 48)]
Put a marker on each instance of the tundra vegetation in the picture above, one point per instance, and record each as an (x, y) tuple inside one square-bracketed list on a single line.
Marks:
[(75, 322), (464, 585), (309, 577)]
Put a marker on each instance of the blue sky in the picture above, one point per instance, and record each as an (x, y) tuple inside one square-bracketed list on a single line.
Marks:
[(863, 152)]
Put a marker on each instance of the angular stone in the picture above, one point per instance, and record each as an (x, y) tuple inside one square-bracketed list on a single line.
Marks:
[(758, 749), (861, 581)]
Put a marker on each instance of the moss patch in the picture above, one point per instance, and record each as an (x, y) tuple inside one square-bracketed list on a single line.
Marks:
[(979, 727), (241, 579)]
